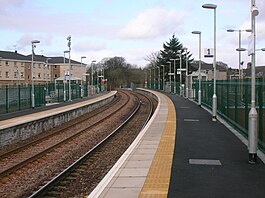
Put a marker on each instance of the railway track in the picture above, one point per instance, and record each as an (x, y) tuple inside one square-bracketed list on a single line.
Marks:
[(16, 158), (61, 182), (38, 152)]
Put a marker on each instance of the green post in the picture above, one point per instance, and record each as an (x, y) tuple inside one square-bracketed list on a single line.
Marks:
[(227, 99), (6, 98), (19, 105), (247, 84), (236, 103), (260, 101)]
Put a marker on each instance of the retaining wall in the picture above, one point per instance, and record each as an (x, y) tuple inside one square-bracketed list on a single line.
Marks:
[(29, 129)]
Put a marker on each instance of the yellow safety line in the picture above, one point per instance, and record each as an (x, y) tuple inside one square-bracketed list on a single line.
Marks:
[(158, 178)]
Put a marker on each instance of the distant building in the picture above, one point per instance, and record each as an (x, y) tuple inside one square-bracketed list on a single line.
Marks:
[(207, 70), (259, 70), (15, 68)]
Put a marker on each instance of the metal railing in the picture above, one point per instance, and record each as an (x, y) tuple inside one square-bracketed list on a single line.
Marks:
[(234, 102), (18, 97)]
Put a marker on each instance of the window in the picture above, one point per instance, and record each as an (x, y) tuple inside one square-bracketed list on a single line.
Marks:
[(6, 63), (15, 64), (0, 74), (39, 75), (55, 75), (15, 74), (22, 74), (7, 75), (22, 64), (39, 65)]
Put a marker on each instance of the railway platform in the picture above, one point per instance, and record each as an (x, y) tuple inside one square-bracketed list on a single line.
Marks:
[(18, 126), (183, 153)]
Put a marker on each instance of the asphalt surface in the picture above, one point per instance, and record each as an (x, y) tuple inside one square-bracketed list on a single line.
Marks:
[(199, 138)]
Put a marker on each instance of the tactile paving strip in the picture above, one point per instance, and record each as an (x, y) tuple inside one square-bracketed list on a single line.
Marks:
[(158, 178)]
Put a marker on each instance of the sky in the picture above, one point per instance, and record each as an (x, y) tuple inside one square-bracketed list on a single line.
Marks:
[(132, 29)]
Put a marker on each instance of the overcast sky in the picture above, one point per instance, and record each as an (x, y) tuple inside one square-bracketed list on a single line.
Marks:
[(128, 28)]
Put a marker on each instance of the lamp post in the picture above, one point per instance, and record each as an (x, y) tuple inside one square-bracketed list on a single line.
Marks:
[(174, 74), (169, 75), (186, 79), (33, 44), (239, 52), (64, 89), (214, 106), (159, 78), (47, 61), (180, 69), (150, 78), (163, 78), (252, 127), (92, 74), (200, 62), (155, 77), (82, 89), (69, 46)]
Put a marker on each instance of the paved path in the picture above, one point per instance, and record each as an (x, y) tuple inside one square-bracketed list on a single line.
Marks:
[(209, 160)]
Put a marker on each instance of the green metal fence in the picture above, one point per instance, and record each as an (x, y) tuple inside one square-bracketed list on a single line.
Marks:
[(16, 98), (234, 102)]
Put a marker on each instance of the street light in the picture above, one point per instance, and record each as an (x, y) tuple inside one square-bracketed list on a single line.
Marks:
[(186, 79), (169, 74), (69, 46), (172, 59), (64, 89), (33, 44), (180, 69), (253, 115), (214, 106), (47, 60), (200, 62), (82, 90), (159, 78), (239, 52), (92, 83), (163, 78)]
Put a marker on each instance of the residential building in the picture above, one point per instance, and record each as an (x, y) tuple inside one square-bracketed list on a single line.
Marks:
[(207, 70), (17, 68)]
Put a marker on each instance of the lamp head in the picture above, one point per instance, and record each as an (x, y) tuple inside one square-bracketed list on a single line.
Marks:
[(69, 38), (254, 11), (241, 49), (35, 41), (209, 6), (196, 32), (82, 57), (230, 30)]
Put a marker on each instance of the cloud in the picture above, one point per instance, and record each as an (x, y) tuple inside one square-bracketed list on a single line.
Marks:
[(85, 46), (153, 22), (5, 5)]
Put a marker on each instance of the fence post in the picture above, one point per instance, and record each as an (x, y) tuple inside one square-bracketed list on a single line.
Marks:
[(236, 104), (260, 102), (7, 99), (19, 97)]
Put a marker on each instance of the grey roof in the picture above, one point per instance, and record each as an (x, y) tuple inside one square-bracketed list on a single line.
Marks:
[(16, 56), (206, 66), (12, 55)]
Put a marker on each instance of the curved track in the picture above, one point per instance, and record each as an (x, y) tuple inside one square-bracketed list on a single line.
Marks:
[(36, 159)]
